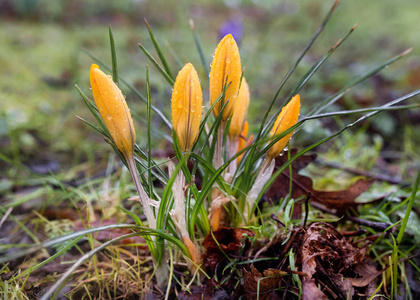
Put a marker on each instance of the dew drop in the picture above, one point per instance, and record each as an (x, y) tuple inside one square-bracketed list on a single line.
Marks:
[(228, 60), (180, 104), (109, 117)]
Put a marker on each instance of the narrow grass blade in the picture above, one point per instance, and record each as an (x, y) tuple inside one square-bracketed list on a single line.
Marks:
[(159, 174), (94, 110), (149, 137), (199, 48), (292, 69), (97, 128), (409, 209), (63, 250), (22, 226), (168, 78), (160, 53), (113, 57), (175, 56), (39, 246), (149, 242), (315, 68), (331, 100)]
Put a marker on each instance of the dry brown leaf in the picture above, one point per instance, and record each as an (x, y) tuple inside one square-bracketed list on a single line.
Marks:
[(302, 185), (328, 257)]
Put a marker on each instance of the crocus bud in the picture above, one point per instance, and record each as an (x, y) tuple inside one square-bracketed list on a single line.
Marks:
[(240, 111), (187, 106), (113, 110), (286, 119), (225, 70)]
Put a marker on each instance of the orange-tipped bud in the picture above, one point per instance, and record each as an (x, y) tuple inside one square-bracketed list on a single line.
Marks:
[(286, 119), (113, 110), (187, 106), (242, 141), (240, 110), (225, 70)]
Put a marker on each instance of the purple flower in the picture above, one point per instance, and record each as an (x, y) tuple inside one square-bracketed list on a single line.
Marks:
[(233, 27)]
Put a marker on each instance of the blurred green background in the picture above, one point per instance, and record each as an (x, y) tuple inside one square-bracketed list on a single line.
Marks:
[(41, 59)]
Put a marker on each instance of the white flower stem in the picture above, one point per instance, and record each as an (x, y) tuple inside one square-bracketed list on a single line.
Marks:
[(263, 176), (144, 198), (232, 149)]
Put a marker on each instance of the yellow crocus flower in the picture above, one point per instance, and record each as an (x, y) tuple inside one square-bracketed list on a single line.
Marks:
[(286, 119), (186, 106), (113, 110), (240, 111), (225, 70)]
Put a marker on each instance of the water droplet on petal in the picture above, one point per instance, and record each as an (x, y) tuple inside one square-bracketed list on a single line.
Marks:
[(228, 60), (180, 104), (109, 117)]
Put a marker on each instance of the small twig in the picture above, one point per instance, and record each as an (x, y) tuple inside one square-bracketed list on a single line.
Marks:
[(358, 232), (376, 176), (379, 226), (292, 238), (286, 288), (279, 223)]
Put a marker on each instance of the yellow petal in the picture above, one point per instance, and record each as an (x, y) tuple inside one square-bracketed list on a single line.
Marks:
[(225, 70), (240, 110), (286, 119), (113, 110), (187, 106)]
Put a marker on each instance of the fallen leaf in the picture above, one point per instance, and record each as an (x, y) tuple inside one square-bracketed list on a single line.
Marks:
[(329, 257), (340, 201)]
